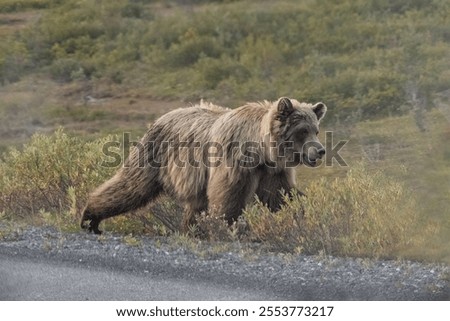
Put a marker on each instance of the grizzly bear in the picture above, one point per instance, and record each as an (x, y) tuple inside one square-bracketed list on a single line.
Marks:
[(213, 158)]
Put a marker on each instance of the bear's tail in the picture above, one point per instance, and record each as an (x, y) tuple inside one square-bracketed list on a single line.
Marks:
[(133, 186)]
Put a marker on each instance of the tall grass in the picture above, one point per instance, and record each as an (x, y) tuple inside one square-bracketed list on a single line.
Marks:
[(364, 213), (52, 173)]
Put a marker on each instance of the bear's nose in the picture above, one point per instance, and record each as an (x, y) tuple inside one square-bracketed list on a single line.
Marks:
[(321, 152)]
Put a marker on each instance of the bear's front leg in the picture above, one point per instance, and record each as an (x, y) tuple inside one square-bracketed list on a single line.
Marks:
[(273, 188), (230, 190)]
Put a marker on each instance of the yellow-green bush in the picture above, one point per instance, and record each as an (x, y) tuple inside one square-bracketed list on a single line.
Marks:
[(18, 5), (362, 214), (49, 179), (52, 173)]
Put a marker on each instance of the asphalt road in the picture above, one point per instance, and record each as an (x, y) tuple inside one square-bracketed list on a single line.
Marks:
[(22, 278), (44, 264)]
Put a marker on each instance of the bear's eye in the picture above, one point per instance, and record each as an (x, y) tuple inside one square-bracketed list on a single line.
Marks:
[(303, 132)]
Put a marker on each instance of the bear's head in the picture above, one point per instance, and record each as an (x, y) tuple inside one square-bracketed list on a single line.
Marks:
[(295, 126)]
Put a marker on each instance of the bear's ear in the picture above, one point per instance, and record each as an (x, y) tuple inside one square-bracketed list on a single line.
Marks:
[(285, 107), (319, 109)]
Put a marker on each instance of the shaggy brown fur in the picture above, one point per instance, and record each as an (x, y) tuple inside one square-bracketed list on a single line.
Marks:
[(213, 158)]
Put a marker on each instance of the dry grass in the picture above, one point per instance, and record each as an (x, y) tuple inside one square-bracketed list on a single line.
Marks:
[(51, 174), (363, 214)]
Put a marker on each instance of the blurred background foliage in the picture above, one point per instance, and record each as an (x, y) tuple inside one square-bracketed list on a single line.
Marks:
[(359, 56)]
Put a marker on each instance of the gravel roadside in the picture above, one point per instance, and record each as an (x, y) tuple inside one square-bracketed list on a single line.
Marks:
[(276, 277)]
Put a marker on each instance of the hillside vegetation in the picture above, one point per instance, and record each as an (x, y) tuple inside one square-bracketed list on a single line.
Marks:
[(98, 67), (366, 57)]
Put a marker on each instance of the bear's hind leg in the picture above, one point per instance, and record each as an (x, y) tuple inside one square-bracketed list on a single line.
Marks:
[(228, 195), (128, 190)]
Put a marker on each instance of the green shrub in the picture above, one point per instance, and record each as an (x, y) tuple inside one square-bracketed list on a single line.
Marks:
[(359, 59), (50, 178), (190, 50), (362, 214), (51, 174), (14, 59), (66, 70), (214, 71), (19, 5), (132, 10), (77, 113)]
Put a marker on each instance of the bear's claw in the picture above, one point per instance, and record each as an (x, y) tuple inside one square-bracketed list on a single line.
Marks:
[(92, 226)]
